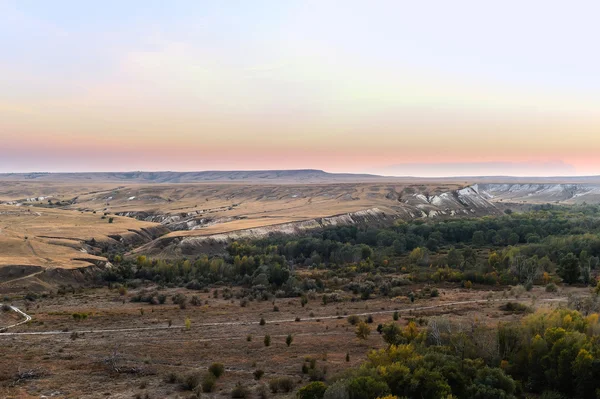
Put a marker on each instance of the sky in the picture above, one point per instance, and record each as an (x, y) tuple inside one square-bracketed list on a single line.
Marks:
[(422, 88)]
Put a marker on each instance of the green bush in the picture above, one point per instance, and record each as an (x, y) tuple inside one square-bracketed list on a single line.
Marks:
[(191, 381), (239, 391), (258, 374), (515, 307), (171, 378), (217, 369), (367, 388), (551, 287), (281, 385), (314, 390), (208, 382)]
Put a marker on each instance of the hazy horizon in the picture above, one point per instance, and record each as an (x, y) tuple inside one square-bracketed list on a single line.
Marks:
[(392, 87), (431, 175)]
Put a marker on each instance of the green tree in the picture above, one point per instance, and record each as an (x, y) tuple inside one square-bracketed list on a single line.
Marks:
[(367, 388), (569, 268), (478, 238), (454, 258)]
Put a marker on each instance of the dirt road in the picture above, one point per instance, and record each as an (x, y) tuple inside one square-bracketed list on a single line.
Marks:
[(195, 326)]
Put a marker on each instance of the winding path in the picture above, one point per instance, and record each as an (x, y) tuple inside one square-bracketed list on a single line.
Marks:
[(19, 311), (242, 323)]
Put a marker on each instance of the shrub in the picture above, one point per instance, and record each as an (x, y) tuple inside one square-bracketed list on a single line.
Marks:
[(217, 369), (188, 323), (317, 374), (434, 293), (31, 296), (289, 339), (283, 384), (262, 321), (195, 301), (162, 298), (337, 390), (239, 391), (258, 374), (262, 392), (80, 316), (363, 330), (353, 320), (5, 308), (396, 316), (551, 287), (370, 319), (314, 390), (267, 340), (515, 307), (191, 381), (171, 378), (208, 382)]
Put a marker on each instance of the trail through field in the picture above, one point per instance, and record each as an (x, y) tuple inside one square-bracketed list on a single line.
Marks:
[(241, 323), (19, 311), (23, 278)]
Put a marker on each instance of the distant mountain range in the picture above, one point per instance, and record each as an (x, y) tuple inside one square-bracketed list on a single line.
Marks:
[(275, 176)]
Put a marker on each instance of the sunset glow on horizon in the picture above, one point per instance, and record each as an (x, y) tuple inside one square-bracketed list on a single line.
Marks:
[(427, 88)]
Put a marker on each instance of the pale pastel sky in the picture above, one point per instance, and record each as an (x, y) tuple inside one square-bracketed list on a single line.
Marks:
[(427, 88)]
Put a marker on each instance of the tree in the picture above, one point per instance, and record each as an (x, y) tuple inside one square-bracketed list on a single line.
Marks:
[(478, 238), (417, 255), (367, 388), (392, 334), (363, 330), (289, 339), (495, 260), (454, 258), (569, 268)]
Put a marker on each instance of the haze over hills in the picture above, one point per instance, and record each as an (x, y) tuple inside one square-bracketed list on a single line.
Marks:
[(274, 176)]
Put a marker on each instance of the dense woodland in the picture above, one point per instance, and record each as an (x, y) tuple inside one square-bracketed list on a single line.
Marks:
[(549, 244)]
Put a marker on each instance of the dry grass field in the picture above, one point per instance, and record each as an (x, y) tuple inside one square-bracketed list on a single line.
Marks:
[(45, 223), (124, 349), (54, 238)]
